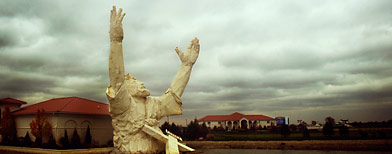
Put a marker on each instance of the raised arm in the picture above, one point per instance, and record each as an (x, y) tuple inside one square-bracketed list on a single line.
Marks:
[(188, 58), (116, 60)]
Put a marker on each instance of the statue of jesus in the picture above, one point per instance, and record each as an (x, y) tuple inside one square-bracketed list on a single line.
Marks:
[(131, 106)]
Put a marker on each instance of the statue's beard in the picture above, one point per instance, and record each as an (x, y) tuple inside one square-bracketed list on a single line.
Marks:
[(141, 93)]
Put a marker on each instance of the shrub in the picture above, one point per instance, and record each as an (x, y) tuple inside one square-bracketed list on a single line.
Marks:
[(328, 126), (193, 130), (110, 143), (27, 140), (305, 132), (51, 142), (343, 131), (75, 139), (64, 140), (87, 140), (165, 126), (363, 134), (285, 131), (328, 130), (293, 127)]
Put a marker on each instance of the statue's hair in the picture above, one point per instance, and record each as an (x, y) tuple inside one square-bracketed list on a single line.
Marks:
[(129, 76)]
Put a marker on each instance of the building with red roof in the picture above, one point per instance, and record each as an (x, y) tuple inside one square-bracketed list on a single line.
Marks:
[(237, 121), (70, 105), (12, 103), (69, 114)]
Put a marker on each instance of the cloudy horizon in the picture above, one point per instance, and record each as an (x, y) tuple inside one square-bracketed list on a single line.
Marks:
[(304, 59)]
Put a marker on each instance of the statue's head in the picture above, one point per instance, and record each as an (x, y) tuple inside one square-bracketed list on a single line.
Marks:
[(137, 88)]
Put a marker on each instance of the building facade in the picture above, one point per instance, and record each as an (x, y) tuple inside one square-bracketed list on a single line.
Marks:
[(237, 121), (69, 113), (12, 103)]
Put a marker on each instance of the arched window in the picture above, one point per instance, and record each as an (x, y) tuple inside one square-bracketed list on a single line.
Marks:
[(70, 125), (83, 129), (244, 124)]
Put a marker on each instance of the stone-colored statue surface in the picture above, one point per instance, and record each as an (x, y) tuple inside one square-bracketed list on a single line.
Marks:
[(131, 105)]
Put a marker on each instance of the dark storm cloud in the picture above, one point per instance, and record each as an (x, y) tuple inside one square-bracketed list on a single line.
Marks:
[(21, 63), (41, 38), (24, 84), (20, 84), (6, 40)]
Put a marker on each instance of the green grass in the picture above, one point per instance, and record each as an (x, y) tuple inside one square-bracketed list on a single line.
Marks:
[(266, 135)]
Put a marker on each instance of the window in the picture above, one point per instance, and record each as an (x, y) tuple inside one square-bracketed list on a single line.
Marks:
[(219, 122), (209, 122), (268, 121)]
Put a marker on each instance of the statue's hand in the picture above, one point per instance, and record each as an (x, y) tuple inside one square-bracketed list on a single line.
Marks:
[(116, 29), (190, 56)]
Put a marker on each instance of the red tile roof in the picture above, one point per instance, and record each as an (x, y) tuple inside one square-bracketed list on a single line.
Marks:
[(10, 100), (234, 117), (258, 117), (74, 105)]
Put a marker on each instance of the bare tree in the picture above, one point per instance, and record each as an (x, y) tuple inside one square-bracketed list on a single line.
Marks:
[(8, 127), (40, 126)]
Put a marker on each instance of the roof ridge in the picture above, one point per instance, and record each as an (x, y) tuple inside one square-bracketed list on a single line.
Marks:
[(88, 99), (254, 114), (66, 104), (37, 103), (12, 99), (217, 115)]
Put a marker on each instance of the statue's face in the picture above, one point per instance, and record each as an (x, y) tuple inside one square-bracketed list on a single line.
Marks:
[(137, 89)]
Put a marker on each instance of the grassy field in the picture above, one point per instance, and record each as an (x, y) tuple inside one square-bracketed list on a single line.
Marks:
[(266, 135), (26, 150), (368, 145)]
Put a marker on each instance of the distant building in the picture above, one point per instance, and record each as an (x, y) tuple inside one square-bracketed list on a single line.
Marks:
[(282, 120), (67, 114), (344, 121), (12, 103), (315, 125), (237, 121)]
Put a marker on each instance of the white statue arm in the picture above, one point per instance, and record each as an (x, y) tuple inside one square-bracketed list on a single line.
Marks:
[(116, 61), (187, 58)]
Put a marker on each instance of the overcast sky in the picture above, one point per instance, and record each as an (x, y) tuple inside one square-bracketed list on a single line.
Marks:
[(303, 59)]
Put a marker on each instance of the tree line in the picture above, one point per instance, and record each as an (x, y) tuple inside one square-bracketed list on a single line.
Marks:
[(329, 130), (193, 131)]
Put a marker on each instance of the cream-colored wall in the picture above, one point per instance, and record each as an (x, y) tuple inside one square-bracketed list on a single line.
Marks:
[(212, 124), (265, 123), (12, 107), (225, 123), (22, 125), (100, 126)]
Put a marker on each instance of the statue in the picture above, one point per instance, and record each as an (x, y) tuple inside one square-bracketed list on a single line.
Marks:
[(134, 112)]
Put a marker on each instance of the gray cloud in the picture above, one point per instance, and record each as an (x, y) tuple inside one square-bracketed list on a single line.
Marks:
[(6, 40), (307, 60)]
